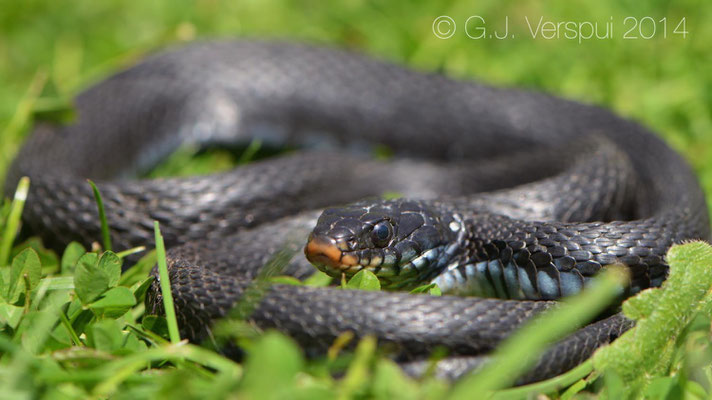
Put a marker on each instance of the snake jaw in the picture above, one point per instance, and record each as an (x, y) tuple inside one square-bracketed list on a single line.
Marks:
[(326, 254)]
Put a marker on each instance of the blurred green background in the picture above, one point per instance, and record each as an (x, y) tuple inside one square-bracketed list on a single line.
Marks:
[(50, 49)]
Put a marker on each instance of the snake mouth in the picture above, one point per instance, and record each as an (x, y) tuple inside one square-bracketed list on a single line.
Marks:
[(325, 254)]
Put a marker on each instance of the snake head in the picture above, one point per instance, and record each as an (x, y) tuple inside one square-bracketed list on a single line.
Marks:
[(403, 242)]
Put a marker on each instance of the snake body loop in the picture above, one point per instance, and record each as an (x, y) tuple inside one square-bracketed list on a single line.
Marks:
[(507, 193)]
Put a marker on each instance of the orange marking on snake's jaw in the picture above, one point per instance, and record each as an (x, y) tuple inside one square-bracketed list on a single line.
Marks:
[(322, 251), (348, 259)]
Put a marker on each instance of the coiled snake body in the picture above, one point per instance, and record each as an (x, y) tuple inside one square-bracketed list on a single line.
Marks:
[(507, 193)]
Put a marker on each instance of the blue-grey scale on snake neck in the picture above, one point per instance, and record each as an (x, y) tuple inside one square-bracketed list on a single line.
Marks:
[(506, 193)]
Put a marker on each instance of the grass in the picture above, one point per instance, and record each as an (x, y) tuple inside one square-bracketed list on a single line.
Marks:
[(73, 326), (80, 331)]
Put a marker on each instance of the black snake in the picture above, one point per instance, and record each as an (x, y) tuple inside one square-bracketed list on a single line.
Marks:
[(506, 193)]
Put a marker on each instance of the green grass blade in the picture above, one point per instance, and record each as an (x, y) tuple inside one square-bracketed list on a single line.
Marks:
[(550, 385), (166, 286), (56, 283), (10, 135), (116, 372), (358, 373), (105, 235), (135, 250), (662, 314), (70, 330), (253, 294), (13, 220), (140, 270), (519, 352), (250, 152)]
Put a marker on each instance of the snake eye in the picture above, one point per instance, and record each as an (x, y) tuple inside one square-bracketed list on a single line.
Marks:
[(382, 233)]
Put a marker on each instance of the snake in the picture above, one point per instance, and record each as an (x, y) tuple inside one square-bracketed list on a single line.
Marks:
[(507, 199)]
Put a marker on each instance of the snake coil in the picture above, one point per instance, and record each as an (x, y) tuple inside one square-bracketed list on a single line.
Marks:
[(580, 187)]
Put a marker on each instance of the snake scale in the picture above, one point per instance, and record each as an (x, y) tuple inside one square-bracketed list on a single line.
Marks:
[(505, 193)]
